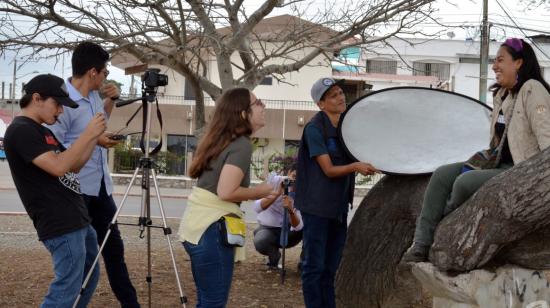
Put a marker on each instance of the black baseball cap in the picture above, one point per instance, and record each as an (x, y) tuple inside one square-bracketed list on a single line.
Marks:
[(48, 85)]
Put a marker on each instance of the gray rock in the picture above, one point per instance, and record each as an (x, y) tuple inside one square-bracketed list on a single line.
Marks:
[(509, 286)]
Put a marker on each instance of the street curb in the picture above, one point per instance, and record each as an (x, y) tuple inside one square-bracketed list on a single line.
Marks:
[(152, 195), (13, 213), (119, 194), (121, 215)]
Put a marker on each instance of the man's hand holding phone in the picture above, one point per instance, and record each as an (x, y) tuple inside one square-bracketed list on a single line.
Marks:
[(108, 139)]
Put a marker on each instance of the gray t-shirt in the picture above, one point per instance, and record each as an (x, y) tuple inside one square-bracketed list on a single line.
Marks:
[(238, 153)]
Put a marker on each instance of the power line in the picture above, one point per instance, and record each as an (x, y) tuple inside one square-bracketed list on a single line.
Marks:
[(521, 29)]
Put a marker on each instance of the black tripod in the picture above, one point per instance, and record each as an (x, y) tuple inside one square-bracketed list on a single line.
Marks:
[(146, 165), (284, 231)]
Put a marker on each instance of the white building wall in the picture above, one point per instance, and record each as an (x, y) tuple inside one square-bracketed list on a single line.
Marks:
[(465, 76), (294, 86)]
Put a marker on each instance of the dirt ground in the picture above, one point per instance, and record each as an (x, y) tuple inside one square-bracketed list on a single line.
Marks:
[(25, 271)]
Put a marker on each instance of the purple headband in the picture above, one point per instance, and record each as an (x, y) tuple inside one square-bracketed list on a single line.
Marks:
[(514, 43)]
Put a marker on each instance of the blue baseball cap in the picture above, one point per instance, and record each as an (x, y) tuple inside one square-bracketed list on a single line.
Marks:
[(321, 86)]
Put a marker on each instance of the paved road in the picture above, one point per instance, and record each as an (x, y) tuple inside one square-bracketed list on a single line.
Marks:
[(173, 207)]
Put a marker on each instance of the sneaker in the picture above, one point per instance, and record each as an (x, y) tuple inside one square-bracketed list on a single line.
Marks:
[(416, 253), (273, 260)]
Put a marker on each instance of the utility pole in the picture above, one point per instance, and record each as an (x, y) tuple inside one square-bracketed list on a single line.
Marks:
[(484, 54), (12, 95), (13, 88)]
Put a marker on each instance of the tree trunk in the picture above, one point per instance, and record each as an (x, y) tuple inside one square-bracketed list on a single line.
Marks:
[(507, 208), (380, 232), (531, 252), (200, 117)]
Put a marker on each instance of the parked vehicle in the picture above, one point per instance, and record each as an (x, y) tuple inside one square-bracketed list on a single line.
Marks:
[(2, 153)]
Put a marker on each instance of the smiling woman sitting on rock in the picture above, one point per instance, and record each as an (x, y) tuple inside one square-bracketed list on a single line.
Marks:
[(520, 129)]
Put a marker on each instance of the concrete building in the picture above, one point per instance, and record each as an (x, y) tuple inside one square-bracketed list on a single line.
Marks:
[(447, 64)]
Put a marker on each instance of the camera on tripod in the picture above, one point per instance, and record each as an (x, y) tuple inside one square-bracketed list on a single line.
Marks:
[(153, 79)]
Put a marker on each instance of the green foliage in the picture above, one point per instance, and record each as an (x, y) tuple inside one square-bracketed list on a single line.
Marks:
[(363, 179), (126, 159), (280, 161), (116, 83), (167, 163)]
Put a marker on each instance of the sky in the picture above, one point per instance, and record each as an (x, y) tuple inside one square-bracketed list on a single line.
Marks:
[(462, 16)]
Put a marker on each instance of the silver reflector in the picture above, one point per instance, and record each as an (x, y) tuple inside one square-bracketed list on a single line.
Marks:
[(410, 130)]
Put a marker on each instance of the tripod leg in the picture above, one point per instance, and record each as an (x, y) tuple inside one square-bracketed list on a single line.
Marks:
[(167, 232), (145, 221), (112, 224), (284, 243)]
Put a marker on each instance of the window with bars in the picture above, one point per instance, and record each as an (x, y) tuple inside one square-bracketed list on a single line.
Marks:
[(267, 81), (189, 93), (439, 70), (382, 66)]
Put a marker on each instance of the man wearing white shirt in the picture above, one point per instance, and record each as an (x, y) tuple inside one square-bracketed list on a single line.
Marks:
[(267, 237)]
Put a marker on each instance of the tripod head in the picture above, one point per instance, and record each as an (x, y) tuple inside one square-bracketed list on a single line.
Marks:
[(151, 80)]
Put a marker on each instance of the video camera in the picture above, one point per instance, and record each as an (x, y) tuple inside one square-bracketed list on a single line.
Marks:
[(153, 79), (287, 182)]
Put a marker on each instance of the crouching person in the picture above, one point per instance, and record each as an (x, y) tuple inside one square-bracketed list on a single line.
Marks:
[(42, 170), (271, 210)]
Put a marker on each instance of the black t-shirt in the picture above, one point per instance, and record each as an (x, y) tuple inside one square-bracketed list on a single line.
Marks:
[(54, 204)]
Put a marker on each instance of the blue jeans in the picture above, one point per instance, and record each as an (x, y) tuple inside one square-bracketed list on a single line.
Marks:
[(323, 243), (102, 208), (72, 255), (212, 267)]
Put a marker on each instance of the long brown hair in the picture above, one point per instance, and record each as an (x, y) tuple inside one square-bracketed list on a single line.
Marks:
[(228, 123)]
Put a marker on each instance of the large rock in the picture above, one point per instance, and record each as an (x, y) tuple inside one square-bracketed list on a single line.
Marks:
[(506, 221), (508, 286), (380, 232)]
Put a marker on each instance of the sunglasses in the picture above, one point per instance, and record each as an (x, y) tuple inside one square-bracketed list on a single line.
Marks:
[(514, 43)]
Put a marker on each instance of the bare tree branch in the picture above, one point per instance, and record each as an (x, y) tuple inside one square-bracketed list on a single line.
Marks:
[(189, 36)]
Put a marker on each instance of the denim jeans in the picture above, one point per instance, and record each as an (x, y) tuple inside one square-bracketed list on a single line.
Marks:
[(72, 256), (212, 267), (323, 243), (102, 208)]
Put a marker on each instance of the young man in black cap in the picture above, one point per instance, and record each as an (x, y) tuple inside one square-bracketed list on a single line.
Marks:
[(324, 189), (42, 170), (86, 87)]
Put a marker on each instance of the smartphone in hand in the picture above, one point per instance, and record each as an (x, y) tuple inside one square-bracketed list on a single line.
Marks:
[(117, 137)]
